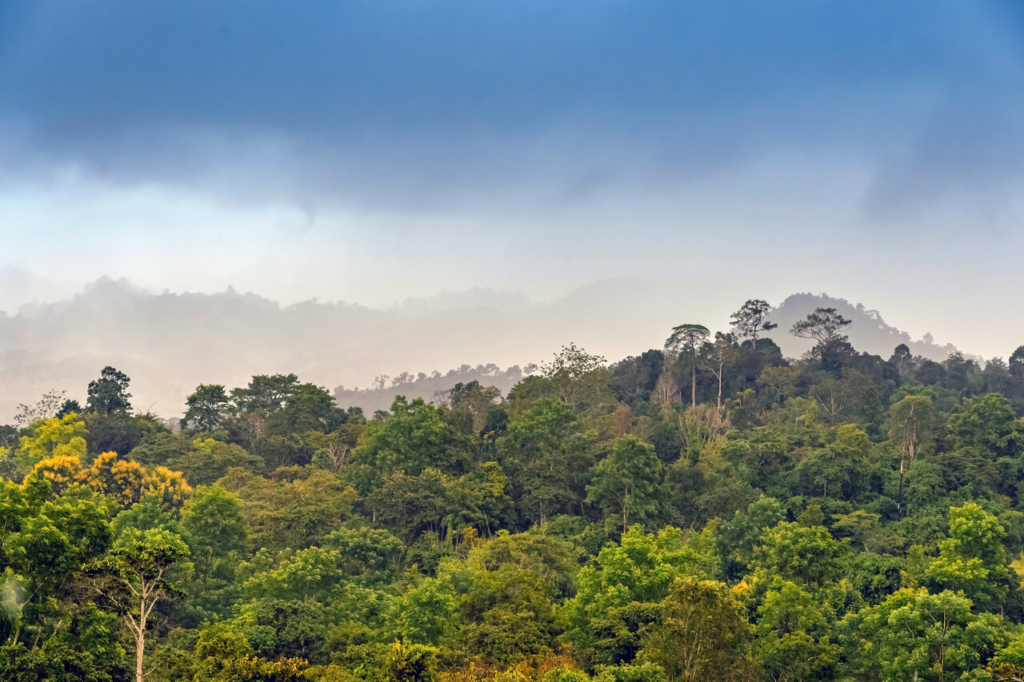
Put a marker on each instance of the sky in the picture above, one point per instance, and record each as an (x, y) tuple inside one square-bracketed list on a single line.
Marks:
[(371, 151)]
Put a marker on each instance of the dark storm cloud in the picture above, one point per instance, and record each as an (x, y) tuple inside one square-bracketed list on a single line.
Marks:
[(446, 104)]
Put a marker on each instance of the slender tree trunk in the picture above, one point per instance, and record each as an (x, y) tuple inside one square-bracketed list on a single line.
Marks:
[(721, 365), (140, 651), (693, 384), (899, 495)]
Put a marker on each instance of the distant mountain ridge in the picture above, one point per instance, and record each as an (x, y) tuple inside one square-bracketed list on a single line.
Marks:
[(431, 386), (168, 343), (868, 332)]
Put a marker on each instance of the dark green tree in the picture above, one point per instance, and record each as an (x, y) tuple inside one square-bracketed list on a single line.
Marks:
[(752, 319), (627, 482), (205, 408), (109, 394), (686, 340)]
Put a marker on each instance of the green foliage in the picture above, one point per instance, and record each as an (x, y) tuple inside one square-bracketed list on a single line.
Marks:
[(297, 507), (793, 634), (426, 613), (804, 555), (369, 555), (702, 634), (989, 425), (209, 460), (413, 438), (914, 635), (109, 394), (839, 467), (739, 536), (972, 561), (547, 458), (578, 378), (842, 517), (627, 482), (205, 408), (415, 663), (214, 528), (639, 570), (508, 585)]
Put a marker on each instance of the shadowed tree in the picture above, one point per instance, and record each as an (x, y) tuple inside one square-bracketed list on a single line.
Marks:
[(686, 339), (69, 406), (833, 349), (206, 407), (1016, 364), (109, 394), (902, 359), (717, 354), (752, 319), (824, 325)]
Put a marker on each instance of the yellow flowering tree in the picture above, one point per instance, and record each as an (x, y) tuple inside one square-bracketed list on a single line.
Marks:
[(61, 471), (124, 480), (170, 486)]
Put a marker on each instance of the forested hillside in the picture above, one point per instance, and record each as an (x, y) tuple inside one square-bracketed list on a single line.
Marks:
[(706, 510)]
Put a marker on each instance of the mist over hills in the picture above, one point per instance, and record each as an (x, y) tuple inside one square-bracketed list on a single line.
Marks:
[(868, 332), (168, 342)]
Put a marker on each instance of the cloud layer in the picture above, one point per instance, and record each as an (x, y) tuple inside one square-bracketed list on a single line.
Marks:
[(371, 151)]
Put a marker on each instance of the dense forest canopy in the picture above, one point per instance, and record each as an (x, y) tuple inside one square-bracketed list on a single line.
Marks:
[(707, 510)]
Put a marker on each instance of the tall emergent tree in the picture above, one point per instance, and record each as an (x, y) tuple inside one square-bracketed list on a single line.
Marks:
[(686, 339), (833, 349), (717, 355), (109, 394), (138, 574), (752, 319), (910, 422), (206, 407), (264, 396), (824, 325)]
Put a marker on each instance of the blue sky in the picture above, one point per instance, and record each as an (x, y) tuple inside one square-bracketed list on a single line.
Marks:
[(369, 151)]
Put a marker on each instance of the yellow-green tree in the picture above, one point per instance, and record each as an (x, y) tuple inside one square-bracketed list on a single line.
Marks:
[(54, 437)]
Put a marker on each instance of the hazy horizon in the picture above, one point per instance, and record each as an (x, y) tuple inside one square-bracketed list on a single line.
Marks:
[(23, 292), (170, 342)]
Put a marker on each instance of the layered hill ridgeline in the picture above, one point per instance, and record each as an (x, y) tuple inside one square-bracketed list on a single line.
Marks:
[(867, 331), (434, 387), (172, 342), (706, 511)]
